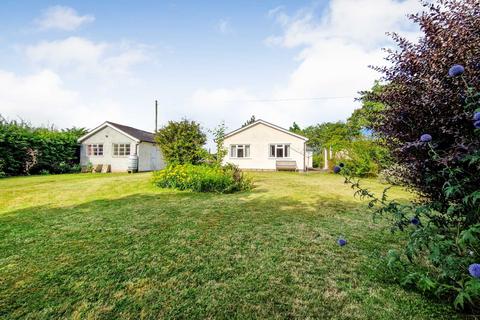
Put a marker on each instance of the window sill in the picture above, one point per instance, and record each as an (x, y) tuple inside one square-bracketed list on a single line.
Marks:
[(240, 158), (285, 158)]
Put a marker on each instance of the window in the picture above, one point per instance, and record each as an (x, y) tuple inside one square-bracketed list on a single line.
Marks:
[(95, 149), (279, 150), (240, 151), (121, 149)]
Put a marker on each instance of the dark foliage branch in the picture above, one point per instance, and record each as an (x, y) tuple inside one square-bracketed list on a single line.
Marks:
[(431, 126)]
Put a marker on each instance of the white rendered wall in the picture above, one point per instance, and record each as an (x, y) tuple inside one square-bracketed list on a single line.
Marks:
[(259, 137)]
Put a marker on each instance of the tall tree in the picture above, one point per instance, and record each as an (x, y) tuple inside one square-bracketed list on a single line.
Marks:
[(295, 128), (219, 138), (362, 119), (328, 134), (249, 121)]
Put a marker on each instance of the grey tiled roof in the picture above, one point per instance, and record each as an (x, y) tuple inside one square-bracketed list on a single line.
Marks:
[(136, 133)]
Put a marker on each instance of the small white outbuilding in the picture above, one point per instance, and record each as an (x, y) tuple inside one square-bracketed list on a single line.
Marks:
[(264, 146), (118, 146)]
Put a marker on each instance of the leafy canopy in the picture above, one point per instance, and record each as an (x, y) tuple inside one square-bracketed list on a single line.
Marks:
[(363, 118), (181, 142)]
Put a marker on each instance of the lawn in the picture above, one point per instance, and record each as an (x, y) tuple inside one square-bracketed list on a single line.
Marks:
[(114, 246)]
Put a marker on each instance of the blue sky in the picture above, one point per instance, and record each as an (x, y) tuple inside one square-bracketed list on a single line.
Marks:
[(79, 63)]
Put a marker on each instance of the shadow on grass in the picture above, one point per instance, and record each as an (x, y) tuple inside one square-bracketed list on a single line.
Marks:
[(191, 255)]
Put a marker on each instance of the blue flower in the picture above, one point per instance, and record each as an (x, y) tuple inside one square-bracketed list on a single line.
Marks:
[(341, 242), (476, 116), (476, 124), (456, 70), (474, 270), (341, 164), (425, 137), (415, 221), (336, 169)]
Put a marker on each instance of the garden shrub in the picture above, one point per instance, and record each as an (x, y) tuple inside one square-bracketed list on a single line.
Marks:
[(431, 126), (182, 142), (365, 157), (202, 178)]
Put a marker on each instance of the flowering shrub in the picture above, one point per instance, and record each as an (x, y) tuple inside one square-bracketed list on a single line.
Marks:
[(202, 178), (432, 97)]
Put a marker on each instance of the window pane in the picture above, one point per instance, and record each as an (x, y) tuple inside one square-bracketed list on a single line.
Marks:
[(233, 152), (272, 150), (247, 151), (127, 149), (240, 152), (287, 151), (279, 152)]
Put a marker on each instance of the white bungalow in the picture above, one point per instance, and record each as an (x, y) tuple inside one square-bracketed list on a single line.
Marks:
[(265, 146), (119, 147)]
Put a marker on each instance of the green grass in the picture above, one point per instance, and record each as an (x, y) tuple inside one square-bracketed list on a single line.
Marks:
[(115, 247)]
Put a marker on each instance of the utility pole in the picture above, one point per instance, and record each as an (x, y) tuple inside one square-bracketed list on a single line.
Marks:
[(156, 116)]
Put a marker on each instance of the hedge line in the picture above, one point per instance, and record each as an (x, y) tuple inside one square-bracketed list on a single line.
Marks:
[(25, 149)]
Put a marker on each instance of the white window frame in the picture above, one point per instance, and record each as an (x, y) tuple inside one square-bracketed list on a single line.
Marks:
[(121, 146), (234, 151), (284, 147), (95, 149)]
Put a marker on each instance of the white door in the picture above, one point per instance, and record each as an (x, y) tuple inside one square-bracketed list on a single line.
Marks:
[(153, 160)]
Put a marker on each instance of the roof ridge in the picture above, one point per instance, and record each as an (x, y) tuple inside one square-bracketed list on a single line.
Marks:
[(123, 125), (272, 125)]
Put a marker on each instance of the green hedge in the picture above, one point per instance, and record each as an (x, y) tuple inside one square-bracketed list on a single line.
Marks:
[(25, 149), (203, 178)]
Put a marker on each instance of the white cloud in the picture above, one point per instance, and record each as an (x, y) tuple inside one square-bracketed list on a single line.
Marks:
[(75, 81), (363, 22), (336, 47), (42, 97), (85, 56), (72, 51), (62, 18), (223, 26)]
